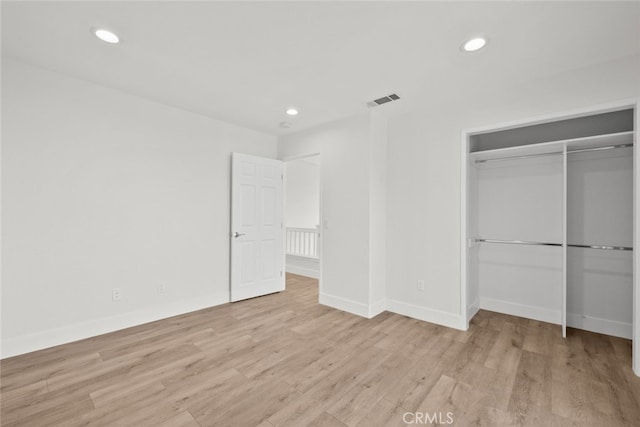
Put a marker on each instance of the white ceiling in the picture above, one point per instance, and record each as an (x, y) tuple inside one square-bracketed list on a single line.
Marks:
[(245, 62)]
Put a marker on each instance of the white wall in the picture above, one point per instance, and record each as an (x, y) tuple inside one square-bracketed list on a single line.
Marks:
[(345, 187), (423, 176), (378, 214), (302, 189), (100, 190), (423, 215)]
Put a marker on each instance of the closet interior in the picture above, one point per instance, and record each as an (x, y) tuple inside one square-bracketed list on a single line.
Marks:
[(550, 222)]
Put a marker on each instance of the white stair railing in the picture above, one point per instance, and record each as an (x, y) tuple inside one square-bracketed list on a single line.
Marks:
[(303, 242)]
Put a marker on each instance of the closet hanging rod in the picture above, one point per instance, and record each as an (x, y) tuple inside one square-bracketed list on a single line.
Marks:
[(517, 242), (529, 156), (526, 156), (608, 147), (524, 242), (607, 248)]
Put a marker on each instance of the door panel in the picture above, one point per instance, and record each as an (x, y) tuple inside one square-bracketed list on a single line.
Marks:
[(257, 253)]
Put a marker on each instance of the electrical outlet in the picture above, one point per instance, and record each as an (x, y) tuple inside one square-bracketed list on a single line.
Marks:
[(420, 285), (116, 294), (162, 288)]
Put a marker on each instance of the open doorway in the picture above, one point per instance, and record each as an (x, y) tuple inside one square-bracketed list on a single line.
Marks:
[(302, 216)]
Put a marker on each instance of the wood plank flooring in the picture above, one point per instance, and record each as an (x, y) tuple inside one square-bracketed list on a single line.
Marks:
[(284, 360)]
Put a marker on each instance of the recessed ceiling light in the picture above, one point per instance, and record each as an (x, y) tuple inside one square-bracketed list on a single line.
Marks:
[(285, 125), (291, 112), (106, 35), (474, 44)]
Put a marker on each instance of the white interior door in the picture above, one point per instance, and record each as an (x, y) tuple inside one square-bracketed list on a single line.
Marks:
[(257, 254)]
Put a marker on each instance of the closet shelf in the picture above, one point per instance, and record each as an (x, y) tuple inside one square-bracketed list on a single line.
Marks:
[(621, 138), (531, 243), (598, 142)]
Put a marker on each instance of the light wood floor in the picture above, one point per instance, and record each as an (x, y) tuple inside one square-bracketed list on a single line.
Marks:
[(285, 360)]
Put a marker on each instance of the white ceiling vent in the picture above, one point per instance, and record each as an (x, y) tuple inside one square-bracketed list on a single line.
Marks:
[(383, 100)]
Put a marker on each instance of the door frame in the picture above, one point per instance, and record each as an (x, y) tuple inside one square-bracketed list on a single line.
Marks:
[(466, 310), (320, 216)]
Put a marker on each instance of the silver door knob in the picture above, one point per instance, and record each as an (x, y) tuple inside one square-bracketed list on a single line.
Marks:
[(236, 234)]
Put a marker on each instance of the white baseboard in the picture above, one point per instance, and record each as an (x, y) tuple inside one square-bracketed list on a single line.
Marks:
[(308, 267), (427, 314), (473, 309), (53, 337), (301, 271), (522, 310), (344, 304), (377, 308), (578, 321), (601, 326)]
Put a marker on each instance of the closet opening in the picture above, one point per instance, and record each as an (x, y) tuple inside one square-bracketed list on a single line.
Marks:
[(549, 224)]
